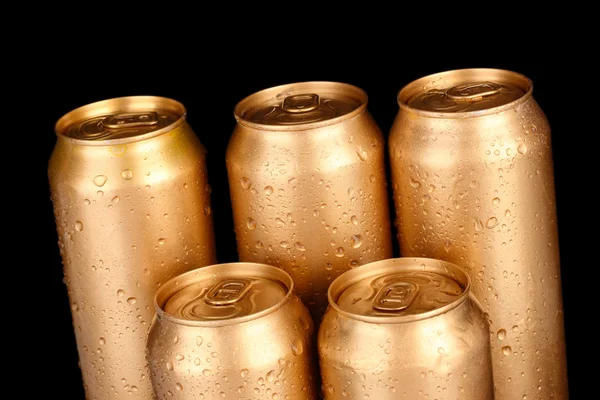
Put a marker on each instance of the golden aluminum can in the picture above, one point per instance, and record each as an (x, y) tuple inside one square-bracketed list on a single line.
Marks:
[(405, 328), (130, 195), (306, 168), (473, 184), (232, 331)]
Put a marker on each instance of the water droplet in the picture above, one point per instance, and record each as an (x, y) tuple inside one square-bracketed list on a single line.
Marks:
[(161, 241), (299, 246), (178, 386), (501, 334), (179, 357), (251, 224), (199, 340), (100, 193), (506, 350), (206, 372), (447, 246), (268, 190), (496, 152), (339, 252), (515, 328), (361, 153), (245, 182), (259, 244), (495, 200), (508, 152), (244, 373), (356, 241), (271, 376), (120, 293), (522, 148), (415, 183), (441, 350), (297, 347), (79, 226), (491, 222), (131, 300), (102, 341), (169, 366), (87, 202), (207, 210), (99, 180), (284, 244), (197, 361), (329, 266), (214, 354), (292, 181), (478, 225)]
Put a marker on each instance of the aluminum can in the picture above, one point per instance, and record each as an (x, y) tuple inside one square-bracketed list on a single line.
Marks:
[(405, 328), (306, 168), (129, 189), (232, 331), (473, 184)]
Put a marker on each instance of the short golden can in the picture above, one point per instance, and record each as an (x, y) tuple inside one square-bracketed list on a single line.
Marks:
[(473, 183), (405, 328), (131, 199), (232, 331), (306, 168)]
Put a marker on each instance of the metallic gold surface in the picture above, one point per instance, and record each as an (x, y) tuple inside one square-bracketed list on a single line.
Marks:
[(132, 207), (308, 186), (232, 331), (475, 187), (405, 328)]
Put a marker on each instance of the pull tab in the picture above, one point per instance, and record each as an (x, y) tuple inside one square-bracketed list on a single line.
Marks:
[(301, 103), (130, 120), (227, 292), (395, 296), (473, 91)]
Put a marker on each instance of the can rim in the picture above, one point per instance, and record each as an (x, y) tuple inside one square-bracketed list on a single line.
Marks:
[(176, 283), (407, 90), (98, 108), (442, 267), (278, 91)]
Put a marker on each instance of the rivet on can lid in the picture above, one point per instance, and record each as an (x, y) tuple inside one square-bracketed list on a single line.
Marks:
[(395, 296), (227, 292), (300, 103)]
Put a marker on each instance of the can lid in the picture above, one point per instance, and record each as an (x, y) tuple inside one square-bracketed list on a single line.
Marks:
[(124, 119), (298, 105), (464, 91), (223, 294), (399, 290)]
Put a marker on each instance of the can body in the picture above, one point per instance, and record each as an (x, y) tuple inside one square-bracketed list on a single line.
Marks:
[(308, 186), (405, 328), (473, 184), (232, 331), (129, 189)]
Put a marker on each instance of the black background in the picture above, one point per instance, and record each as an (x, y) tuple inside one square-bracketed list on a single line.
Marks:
[(209, 85)]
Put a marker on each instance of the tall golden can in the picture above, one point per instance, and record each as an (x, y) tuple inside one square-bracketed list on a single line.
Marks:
[(232, 331), (405, 328), (473, 184), (132, 206), (306, 168)]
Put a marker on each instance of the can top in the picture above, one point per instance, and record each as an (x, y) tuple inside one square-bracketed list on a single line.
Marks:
[(223, 294), (465, 92), (399, 290), (300, 106), (121, 120)]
